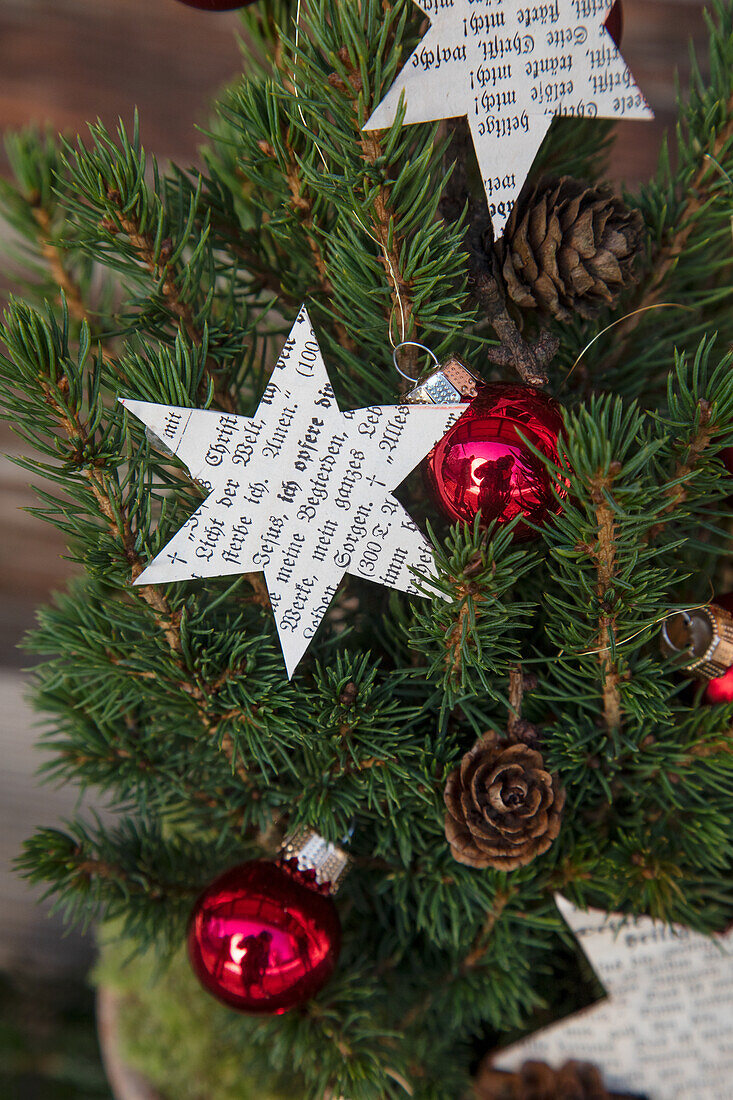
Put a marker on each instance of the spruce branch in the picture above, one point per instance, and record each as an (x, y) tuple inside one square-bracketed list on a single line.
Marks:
[(665, 258), (384, 216), (303, 206), (687, 208), (383, 213), (59, 388), (154, 256), (80, 439), (678, 489), (472, 637), (391, 244), (478, 949), (131, 872), (604, 555), (52, 254), (136, 228)]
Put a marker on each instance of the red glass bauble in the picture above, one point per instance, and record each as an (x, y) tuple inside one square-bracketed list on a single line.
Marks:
[(720, 689), (615, 23), (483, 462), (216, 5), (262, 939)]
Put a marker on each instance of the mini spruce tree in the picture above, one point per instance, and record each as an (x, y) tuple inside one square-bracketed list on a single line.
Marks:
[(177, 286)]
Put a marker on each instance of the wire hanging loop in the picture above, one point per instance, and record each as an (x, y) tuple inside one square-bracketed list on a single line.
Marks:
[(412, 344), (687, 619)]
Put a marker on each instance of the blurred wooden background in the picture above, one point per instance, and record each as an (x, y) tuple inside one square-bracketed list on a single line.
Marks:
[(65, 62)]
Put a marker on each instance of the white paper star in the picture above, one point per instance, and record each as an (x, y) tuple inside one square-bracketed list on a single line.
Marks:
[(510, 67), (665, 1029), (299, 490)]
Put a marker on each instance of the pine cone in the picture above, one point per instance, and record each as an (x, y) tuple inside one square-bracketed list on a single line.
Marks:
[(503, 807), (569, 248), (537, 1081)]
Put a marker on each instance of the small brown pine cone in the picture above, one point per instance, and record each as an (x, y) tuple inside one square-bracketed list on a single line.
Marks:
[(569, 248), (537, 1081), (503, 807)]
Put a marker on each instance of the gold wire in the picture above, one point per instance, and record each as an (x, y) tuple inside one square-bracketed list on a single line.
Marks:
[(643, 309), (630, 638)]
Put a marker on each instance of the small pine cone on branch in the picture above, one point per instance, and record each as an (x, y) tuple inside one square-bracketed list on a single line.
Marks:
[(538, 1081), (569, 248), (503, 807)]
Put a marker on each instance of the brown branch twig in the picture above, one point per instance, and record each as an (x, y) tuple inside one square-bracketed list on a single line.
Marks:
[(101, 869), (144, 246), (68, 287), (528, 360), (604, 553), (383, 226), (454, 639), (478, 948), (516, 693), (677, 492), (519, 730), (485, 282), (303, 206), (384, 230), (471, 961)]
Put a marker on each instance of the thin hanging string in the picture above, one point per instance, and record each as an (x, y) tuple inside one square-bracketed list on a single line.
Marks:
[(618, 321), (396, 285), (295, 87), (356, 216)]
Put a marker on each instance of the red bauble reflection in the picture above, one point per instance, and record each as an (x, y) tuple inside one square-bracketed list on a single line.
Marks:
[(262, 941), (615, 23), (720, 689), (216, 5), (483, 463)]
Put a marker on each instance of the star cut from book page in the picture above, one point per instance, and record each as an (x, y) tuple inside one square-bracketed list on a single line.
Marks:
[(510, 67), (664, 1029), (300, 490)]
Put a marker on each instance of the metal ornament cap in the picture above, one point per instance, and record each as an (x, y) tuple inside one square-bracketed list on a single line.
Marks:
[(703, 637), (450, 384), (313, 854)]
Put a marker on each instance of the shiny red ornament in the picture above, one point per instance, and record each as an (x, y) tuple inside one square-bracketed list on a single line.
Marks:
[(615, 23), (264, 937), (720, 689), (483, 462), (216, 5)]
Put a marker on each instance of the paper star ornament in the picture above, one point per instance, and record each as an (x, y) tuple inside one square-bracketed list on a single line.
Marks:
[(509, 67), (665, 1029), (300, 490)]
